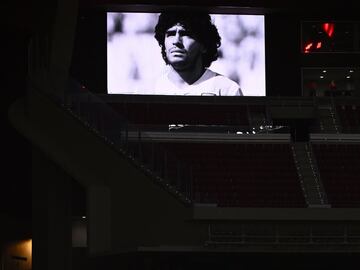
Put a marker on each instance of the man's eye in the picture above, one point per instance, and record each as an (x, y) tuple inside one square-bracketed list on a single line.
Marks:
[(185, 33), (170, 33)]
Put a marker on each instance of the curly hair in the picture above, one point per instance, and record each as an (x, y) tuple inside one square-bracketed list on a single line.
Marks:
[(200, 26)]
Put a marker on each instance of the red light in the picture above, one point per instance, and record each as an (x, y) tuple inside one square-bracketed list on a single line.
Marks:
[(308, 47), (318, 45), (328, 28)]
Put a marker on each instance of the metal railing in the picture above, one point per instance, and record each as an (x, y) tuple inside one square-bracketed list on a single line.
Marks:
[(151, 157)]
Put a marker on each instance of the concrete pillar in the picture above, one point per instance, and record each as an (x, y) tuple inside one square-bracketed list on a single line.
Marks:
[(51, 204), (99, 219)]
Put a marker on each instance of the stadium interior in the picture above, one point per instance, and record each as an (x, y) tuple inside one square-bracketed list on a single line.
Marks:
[(93, 180)]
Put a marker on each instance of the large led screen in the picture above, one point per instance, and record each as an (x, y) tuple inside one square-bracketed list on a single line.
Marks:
[(136, 63)]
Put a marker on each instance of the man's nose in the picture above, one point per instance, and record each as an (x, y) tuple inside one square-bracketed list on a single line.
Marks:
[(177, 39)]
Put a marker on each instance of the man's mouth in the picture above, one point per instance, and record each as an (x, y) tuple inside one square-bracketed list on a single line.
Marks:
[(177, 51)]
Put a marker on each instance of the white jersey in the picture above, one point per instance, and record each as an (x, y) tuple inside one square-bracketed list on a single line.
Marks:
[(209, 84)]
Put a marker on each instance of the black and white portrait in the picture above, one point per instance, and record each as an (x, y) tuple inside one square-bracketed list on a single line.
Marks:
[(135, 60)]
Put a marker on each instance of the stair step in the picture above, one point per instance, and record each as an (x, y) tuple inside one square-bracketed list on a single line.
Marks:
[(308, 174), (319, 205)]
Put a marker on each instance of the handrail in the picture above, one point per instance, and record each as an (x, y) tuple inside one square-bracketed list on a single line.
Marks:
[(150, 157)]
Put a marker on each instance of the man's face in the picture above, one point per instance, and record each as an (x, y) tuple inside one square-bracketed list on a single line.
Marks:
[(182, 50)]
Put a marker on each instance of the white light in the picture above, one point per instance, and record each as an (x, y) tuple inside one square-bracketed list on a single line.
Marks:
[(83, 217), (321, 77), (324, 71), (351, 71), (348, 77)]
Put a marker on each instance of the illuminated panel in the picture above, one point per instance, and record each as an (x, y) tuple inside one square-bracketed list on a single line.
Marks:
[(330, 37), (134, 60), (17, 255)]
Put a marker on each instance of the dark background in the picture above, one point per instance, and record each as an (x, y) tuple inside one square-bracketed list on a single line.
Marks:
[(15, 190), (19, 21)]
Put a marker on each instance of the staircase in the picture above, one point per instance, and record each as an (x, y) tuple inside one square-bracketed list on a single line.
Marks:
[(315, 195), (327, 118)]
